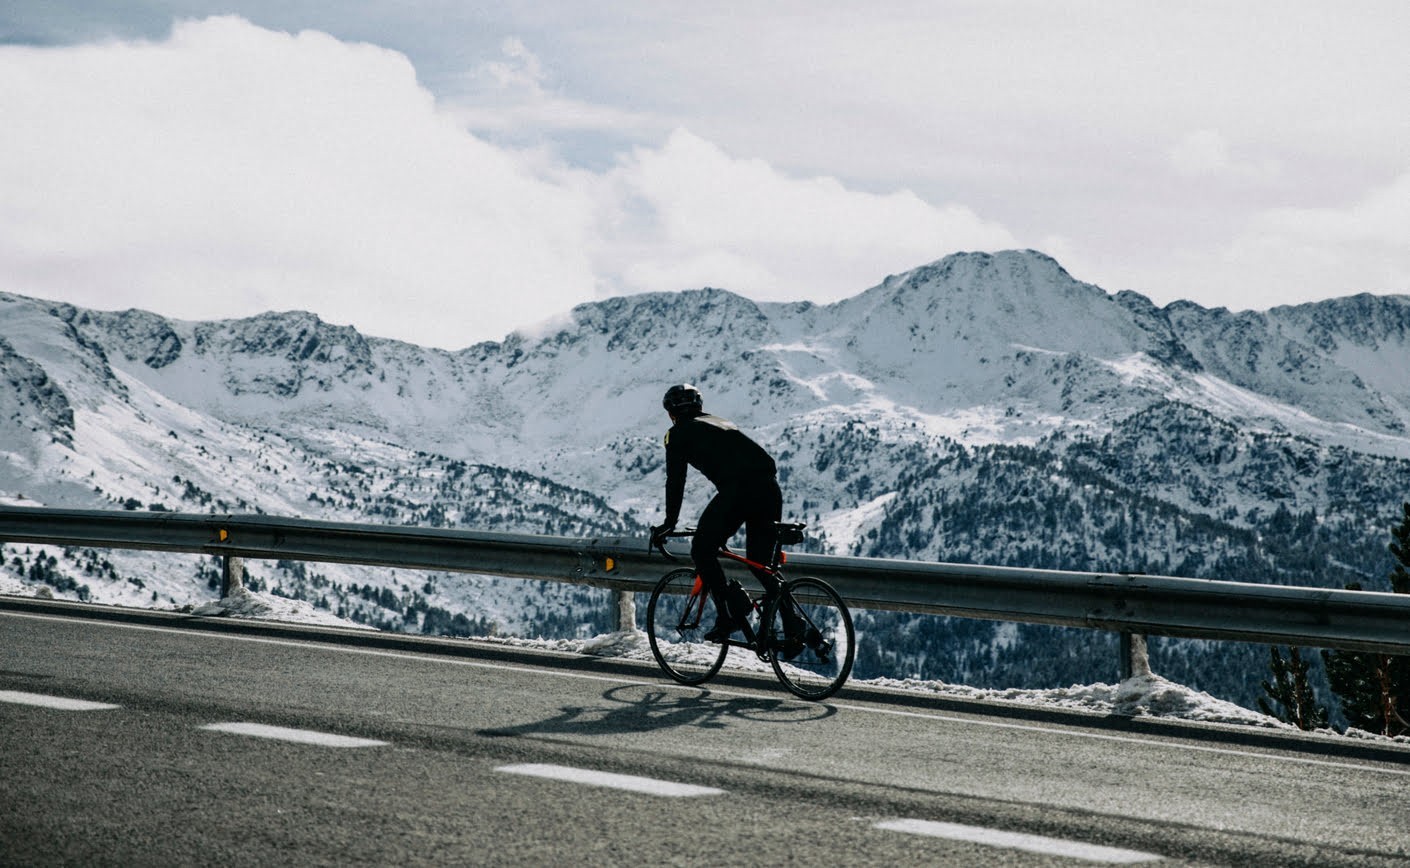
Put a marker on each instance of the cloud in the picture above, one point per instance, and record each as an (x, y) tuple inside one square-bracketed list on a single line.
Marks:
[(512, 97), (1206, 153), (1146, 135), (520, 68), (1379, 219), (230, 169), (1281, 256), (688, 214), (1306, 253)]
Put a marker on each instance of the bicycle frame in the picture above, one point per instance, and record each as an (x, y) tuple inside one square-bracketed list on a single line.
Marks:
[(696, 608), (738, 558)]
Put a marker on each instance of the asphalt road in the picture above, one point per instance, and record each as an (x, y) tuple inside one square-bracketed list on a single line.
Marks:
[(462, 754)]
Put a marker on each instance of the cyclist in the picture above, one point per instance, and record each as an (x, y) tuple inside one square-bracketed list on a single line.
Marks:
[(746, 480)]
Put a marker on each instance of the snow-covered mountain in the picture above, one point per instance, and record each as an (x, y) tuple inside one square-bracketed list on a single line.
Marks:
[(985, 408)]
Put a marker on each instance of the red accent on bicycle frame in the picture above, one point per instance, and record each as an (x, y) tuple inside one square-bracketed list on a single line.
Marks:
[(748, 563), (697, 600)]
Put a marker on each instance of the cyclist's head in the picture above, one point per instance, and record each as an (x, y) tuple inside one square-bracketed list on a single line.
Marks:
[(683, 401)]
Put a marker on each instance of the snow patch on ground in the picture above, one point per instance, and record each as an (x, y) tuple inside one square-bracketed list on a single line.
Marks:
[(12, 587), (631, 645), (1353, 732), (1139, 696), (845, 527), (244, 603)]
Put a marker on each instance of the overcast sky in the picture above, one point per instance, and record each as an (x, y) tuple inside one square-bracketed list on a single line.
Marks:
[(446, 171)]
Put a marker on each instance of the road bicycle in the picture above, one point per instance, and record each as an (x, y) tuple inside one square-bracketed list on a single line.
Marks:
[(804, 631)]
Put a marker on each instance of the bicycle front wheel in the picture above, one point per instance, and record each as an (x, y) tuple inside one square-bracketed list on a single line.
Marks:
[(677, 618), (811, 639)]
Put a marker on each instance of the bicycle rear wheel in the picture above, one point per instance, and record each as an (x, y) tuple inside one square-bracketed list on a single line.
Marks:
[(677, 618), (811, 623)]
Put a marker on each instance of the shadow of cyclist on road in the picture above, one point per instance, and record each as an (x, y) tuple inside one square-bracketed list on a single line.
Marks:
[(644, 708)]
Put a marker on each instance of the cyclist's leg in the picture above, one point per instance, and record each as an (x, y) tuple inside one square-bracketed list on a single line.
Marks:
[(764, 508), (717, 524)]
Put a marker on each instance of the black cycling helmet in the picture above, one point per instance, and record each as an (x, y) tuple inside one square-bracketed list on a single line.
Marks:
[(682, 399)]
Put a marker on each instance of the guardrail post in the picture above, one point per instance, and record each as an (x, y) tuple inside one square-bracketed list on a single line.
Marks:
[(1135, 656), (626, 611), (232, 575)]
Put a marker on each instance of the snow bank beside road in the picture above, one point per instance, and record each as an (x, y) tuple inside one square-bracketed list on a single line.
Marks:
[(1139, 696), (244, 603)]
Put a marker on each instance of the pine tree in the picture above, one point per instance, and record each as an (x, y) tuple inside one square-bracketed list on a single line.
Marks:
[(1296, 701), (1375, 688), (1400, 547)]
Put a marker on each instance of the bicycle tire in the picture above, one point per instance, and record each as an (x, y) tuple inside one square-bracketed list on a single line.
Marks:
[(677, 618), (828, 648)]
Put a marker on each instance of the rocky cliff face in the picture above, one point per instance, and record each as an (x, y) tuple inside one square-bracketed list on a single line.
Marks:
[(29, 400)]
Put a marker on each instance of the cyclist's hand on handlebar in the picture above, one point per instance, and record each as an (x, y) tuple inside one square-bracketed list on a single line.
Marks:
[(659, 534)]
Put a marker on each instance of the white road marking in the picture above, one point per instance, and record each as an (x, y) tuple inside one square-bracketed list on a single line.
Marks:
[(664, 685), (650, 786), (64, 704), (1018, 841), (1127, 739), (301, 736)]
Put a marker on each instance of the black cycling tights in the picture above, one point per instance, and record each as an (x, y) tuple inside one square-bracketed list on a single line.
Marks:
[(757, 507)]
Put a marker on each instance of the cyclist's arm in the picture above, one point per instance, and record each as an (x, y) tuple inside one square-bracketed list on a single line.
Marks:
[(675, 480)]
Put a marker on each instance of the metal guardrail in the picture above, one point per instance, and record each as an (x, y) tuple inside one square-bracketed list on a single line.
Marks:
[(1125, 603)]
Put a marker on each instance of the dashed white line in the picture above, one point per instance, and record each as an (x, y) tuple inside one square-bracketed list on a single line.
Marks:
[(1019, 841), (650, 786), (301, 736), (60, 702)]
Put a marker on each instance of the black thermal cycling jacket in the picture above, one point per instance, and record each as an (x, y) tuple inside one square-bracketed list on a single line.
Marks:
[(719, 450)]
